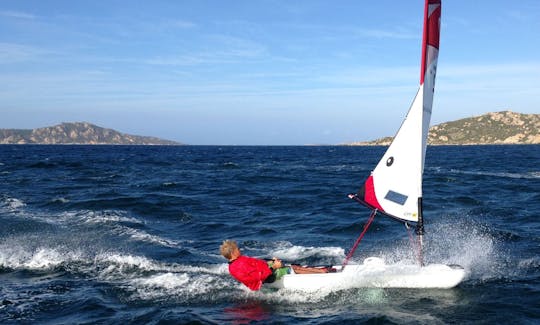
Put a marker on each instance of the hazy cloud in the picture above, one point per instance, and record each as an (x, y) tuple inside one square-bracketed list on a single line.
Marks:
[(16, 14), (12, 52)]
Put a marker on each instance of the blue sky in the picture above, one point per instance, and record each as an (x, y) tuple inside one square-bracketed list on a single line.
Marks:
[(259, 72)]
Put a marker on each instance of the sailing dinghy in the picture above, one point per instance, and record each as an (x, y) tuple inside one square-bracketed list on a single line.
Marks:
[(394, 189)]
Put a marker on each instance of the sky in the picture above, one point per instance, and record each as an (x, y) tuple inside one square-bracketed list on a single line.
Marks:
[(260, 72)]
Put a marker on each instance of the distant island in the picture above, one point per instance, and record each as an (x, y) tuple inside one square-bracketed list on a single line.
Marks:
[(76, 133), (492, 128)]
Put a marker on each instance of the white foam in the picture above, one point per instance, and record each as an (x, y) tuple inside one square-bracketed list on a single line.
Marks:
[(112, 218), (117, 263), (140, 235), (529, 263), (45, 259), (457, 241), (165, 280), (144, 277), (230, 164), (107, 216), (12, 204), (469, 246), (117, 266), (183, 283), (60, 200), (41, 258), (217, 269), (126, 260), (527, 175), (293, 253)]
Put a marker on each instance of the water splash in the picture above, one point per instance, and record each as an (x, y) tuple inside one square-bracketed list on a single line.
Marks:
[(40, 258), (11, 204), (290, 252), (461, 241)]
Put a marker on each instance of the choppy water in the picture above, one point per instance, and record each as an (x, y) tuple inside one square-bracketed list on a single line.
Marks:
[(99, 234)]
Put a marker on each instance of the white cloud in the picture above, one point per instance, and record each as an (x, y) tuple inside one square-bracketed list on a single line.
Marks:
[(219, 49), (17, 15)]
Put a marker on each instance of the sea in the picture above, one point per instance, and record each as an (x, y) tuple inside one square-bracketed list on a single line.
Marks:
[(131, 234)]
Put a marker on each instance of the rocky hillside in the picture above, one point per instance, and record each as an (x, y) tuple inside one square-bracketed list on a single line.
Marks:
[(76, 133), (491, 128)]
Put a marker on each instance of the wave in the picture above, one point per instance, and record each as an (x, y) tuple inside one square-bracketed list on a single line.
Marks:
[(104, 265), (107, 216), (115, 223), (11, 204), (61, 200), (42, 258), (182, 286), (461, 242), (525, 175), (141, 276), (230, 164), (137, 277), (531, 264), (142, 236)]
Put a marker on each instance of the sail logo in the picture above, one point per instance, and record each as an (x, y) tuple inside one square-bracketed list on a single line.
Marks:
[(410, 215), (396, 197)]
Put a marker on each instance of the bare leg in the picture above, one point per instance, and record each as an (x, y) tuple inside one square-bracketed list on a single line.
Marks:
[(307, 270)]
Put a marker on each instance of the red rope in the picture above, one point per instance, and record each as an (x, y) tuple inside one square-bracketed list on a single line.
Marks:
[(366, 226)]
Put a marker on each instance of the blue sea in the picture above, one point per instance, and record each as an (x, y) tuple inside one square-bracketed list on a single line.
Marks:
[(130, 234)]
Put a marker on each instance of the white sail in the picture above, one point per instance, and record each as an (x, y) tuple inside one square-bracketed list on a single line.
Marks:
[(395, 185)]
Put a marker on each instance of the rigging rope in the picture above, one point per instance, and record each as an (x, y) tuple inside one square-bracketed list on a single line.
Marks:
[(366, 226)]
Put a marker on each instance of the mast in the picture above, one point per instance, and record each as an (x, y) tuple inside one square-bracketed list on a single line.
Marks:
[(430, 54), (420, 232)]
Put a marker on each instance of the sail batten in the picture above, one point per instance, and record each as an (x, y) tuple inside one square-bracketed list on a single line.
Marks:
[(395, 185)]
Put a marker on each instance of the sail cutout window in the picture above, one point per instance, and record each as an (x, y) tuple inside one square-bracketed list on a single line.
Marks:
[(396, 197)]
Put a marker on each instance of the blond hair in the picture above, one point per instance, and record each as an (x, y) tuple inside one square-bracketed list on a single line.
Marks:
[(227, 248)]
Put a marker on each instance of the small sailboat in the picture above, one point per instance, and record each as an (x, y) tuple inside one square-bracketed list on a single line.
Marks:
[(394, 189)]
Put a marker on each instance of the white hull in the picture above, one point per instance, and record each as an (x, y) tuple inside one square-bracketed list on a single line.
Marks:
[(374, 273)]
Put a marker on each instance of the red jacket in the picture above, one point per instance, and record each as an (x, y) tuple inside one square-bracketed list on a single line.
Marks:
[(250, 271)]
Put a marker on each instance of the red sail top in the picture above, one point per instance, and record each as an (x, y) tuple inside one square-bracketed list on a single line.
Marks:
[(432, 18)]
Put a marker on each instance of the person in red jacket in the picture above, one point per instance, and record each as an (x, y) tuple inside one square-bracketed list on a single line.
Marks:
[(253, 272)]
